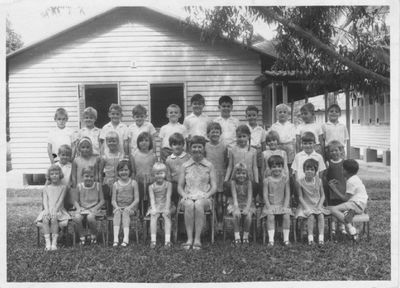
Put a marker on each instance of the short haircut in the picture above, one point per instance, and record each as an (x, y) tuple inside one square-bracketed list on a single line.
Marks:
[(225, 99), (275, 160), (112, 135), (90, 111), (240, 167), (114, 106), (335, 144), (335, 106), (176, 139), (214, 126), (197, 139), (351, 166), (252, 108), (65, 148), (308, 107), (308, 137), (139, 110), (271, 136), (54, 167), (282, 106), (310, 163), (158, 166), (62, 112), (197, 98), (123, 163), (145, 135), (174, 106), (88, 170)]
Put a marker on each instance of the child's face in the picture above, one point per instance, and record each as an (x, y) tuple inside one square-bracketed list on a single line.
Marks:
[(115, 116), (197, 150), (334, 152), (177, 148), (214, 135), (197, 107), (283, 115), (88, 179), (251, 116), (112, 143), (307, 116), (123, 173), (54, 176), (308, 146), (139, 119), (225, 109), (276, 169), (65, 157), (173, 114), (85, 148), (144, 144), (273, 144), (309, 172), (159, 176), (241, 175), (89, 120), (242, 139), (333, 114), (61, 120)]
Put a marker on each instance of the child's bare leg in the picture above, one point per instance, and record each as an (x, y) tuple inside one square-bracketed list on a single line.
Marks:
[(286, 228), (46, 233), (310, 228), (117, 225), (236, 226), (321, 227), (126, 221), (246, 226), (153, 228), (189, 220), (220, 208), (271, 228), (167, 227), (91, 219), (54, 233)]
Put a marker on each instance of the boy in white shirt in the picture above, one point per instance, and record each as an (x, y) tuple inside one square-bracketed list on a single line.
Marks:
[(89, 130), (59, 136), (356, 197), (196, 123), (227, 122), (173, 126)]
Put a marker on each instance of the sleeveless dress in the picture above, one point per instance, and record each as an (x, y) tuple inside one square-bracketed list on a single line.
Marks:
[(53, 194), (110, 166), (216, 154), (160, 198), (246, 156), (335, 171), (311, 196), (267, 154), (89, 197), (124, 193), (276, 196), (241, 194), (82, 163)]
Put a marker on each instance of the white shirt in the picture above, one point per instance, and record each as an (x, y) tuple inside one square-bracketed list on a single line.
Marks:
[(301, 157), (134, 131), (286, 131), (66, 169), (58, 137), (334, 131), (228, 126), (196, 125), (94, 135), (257, 136), (167, 130), (122, 131), (314, 128), (356, 188)]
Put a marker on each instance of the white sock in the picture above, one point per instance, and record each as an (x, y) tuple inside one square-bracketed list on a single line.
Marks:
[(54, 238), (310, 238), (47, 239), (245, 235), (116, 232), (352, 230), (286, 235), (167, 238), (126, 235), (321, 237), (237, 236), (271, 235), (153, 237)]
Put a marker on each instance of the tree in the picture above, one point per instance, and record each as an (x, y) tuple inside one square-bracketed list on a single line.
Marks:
[(344, 46), (13, 40)]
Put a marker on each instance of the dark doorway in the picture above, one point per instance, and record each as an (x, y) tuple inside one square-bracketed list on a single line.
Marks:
[(163, 95), (101, 97)]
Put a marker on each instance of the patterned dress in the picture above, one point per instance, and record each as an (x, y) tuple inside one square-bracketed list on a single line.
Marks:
[(52, 194), (197, 178), (242, 195), (311, 196), (276, 196), (89, 197), (160, 198)]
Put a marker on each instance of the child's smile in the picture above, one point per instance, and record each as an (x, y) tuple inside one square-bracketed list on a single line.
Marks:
[(197, 107), (214, 135), (159, 176), (177, 149), (333, 114), (54, 176), (252, 118), (283, 116), (309, 173), (334, 153), (273, 144), (226, 109), (115, 117), (112, 144), (173, 115), (64, 158), (242, 140), (89, 121), (307, 116), (144, 145), (139, 119), (61, 120), (276, 170), (124, 173), (308, 147), (241, 176), (85, 148), (88, 179)]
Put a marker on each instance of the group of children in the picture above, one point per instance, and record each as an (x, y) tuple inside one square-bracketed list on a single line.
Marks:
[(117, 167)]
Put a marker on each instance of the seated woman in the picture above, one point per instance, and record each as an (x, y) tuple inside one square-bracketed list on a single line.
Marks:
[(196, 185)]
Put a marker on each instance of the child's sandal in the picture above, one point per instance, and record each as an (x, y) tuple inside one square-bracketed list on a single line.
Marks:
[(153, 244), (270, 244), (124, 244), (115, 244), (82, 241), (286, 243), (321, 243), (246, 242), (236, 243)]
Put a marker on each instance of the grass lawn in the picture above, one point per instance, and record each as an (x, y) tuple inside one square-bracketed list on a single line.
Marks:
[(215, 263)]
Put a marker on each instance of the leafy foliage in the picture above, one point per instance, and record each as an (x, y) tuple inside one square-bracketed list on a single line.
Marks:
[(13, 39)]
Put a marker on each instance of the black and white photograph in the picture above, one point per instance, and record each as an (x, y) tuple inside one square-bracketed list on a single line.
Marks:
[(245, 143)]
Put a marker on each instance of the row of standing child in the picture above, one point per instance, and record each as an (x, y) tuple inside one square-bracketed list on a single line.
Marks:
[(197, 123)]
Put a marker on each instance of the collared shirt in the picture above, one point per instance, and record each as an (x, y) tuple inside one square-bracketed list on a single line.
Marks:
[(94, 135), (174, 165), (58, 137), (257, 136), (229, 126), (167, 130), (122, 131), (314, 128), (334, 131), (301, 157), (66, 169), (197, 177), (196, 125), (356, 188), (286, 131), (134, 131)]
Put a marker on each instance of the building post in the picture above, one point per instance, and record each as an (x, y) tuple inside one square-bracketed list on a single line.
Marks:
[(273, 104), (348, 123), (284, 92), (326, 105)]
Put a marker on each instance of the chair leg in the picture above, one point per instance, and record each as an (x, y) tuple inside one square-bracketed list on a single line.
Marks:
[(368, 237), (264, 233), (224, 228), (176, 227), (38, 236), (254, 229), (212, 226)]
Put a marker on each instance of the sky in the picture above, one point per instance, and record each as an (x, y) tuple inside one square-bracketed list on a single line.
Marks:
[(29, 21)]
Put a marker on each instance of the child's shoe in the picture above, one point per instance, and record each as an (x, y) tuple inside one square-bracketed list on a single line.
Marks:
[(236, 243), (152, 245), (270, 244), (311, 242), (115, 244), (124, 244), (93, 239), (82, 241), (286, 243), (321, 243), (168, 245), (246, 243)]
